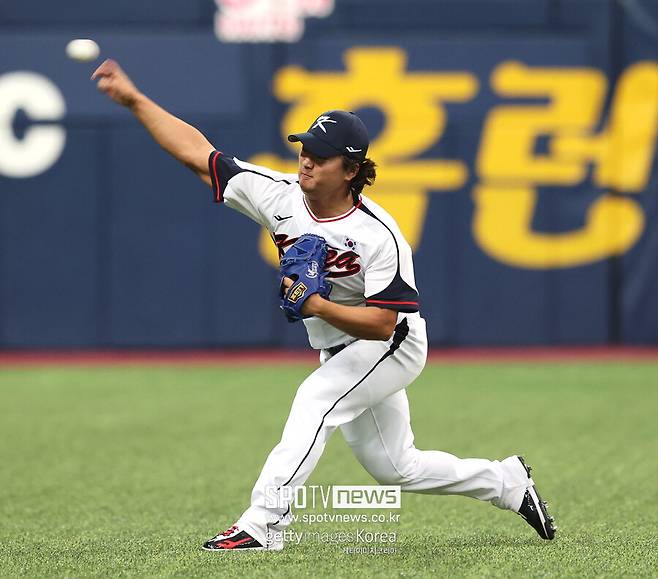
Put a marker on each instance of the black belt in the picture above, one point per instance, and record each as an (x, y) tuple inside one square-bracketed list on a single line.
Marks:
[(335, 349)]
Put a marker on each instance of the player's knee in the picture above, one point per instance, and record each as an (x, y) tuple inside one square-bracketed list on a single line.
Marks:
[(389, 472), (387, 477)]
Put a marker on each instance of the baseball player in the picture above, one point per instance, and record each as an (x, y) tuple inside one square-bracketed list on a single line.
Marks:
[(361, 312)]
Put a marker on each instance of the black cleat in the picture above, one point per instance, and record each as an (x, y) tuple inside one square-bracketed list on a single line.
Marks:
[(233, 539), (535, 511)]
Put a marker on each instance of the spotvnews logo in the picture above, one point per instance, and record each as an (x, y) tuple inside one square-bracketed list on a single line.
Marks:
[(336, 497)]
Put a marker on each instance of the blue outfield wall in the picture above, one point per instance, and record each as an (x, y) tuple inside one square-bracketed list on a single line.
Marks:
[(516, 143)]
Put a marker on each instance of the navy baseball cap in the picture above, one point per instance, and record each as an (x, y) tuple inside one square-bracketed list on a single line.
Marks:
[(335, 133)]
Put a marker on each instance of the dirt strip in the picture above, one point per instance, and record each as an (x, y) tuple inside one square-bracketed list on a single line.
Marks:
[(15, 358)]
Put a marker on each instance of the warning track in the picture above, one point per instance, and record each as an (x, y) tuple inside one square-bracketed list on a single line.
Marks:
[(17, 358)]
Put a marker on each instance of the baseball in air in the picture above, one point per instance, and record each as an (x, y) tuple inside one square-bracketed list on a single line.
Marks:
[(82, 50)]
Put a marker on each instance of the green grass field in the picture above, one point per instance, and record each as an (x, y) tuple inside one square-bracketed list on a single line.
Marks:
[(126, 471)]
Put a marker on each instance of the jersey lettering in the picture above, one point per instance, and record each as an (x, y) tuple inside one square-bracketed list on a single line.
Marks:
[(282, 241), (344, 263)]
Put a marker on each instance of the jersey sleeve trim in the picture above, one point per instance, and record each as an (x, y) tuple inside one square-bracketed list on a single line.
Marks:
[(395, 306), (391, 303), (399, 295), (222, 169), (214, 176)]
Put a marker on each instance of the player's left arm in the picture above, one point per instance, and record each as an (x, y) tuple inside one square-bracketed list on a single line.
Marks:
[(371, 323)]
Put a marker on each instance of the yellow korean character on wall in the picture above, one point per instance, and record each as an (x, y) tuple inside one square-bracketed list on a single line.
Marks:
[(510, 170), (415, 119)]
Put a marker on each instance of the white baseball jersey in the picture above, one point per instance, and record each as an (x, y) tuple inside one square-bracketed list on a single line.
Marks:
[(368, 260)]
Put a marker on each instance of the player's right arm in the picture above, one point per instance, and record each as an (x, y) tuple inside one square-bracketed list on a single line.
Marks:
[(184, 142)]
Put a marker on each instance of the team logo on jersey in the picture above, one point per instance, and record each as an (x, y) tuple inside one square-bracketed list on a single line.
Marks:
[(321, 120), (297, 292), (312, 271)]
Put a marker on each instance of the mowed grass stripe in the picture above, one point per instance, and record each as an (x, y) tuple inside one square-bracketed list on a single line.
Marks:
[(126, 471)]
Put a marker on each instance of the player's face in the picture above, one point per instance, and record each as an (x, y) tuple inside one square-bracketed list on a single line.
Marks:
[(320, 175)]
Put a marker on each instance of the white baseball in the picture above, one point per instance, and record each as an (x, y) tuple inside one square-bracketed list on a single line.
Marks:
[(82, 50)]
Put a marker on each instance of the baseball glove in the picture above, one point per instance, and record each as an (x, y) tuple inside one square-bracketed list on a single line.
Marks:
[(304, 264)]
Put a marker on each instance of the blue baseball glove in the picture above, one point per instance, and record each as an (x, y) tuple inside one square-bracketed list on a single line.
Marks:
[(304, 264)]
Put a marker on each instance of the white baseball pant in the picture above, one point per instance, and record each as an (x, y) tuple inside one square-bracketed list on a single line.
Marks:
[(362, 390)]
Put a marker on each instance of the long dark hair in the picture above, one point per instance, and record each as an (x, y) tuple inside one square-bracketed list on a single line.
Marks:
[(365, 176)]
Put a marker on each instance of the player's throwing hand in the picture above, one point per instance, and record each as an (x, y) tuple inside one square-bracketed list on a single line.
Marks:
[(115, 83)]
